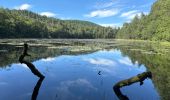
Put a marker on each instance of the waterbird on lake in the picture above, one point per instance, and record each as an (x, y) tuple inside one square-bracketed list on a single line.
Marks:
[(99, 73)]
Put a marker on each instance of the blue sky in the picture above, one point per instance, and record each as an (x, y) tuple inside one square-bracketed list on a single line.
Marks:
[(103, 12)]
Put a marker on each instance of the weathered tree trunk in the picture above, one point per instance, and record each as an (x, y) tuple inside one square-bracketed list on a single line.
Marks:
[(30, 65), (139, 78)]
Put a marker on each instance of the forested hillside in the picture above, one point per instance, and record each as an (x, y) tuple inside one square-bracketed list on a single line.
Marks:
[(26, 24), (155, 26)]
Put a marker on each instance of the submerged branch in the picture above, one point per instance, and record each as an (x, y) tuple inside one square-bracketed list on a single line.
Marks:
[(139, 78)]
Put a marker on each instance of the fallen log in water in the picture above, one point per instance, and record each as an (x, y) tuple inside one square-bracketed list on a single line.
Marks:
[(30, 65), (139, 78)]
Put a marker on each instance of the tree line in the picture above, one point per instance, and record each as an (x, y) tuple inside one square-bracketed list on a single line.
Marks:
[(27, 24), (155, 26)]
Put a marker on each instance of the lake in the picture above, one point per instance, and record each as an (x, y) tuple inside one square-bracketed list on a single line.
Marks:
[(84, 69)]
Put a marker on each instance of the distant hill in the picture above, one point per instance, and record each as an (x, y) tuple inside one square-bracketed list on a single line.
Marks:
[(27, 24), (155, 26)]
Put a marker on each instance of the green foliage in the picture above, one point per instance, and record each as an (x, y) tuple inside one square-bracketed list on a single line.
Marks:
[(155, 26), (26, 24), (155, 56)]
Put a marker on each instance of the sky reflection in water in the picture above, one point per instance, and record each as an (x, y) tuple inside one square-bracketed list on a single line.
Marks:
[(76, 78)]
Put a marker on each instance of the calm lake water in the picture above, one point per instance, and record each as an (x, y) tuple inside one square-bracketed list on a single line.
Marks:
[(81, 70)]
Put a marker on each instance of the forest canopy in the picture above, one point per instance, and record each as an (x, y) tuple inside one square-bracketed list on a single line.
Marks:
[(154, 26), (27, 24)]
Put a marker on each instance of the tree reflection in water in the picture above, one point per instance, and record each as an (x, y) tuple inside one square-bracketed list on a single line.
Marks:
[(33, 70), (36, 89), (30, 65)]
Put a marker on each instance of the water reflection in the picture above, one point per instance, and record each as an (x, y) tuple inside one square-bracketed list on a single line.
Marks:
[(76, 77), (9, 53), (29, 65), (79, 89), (36, 89), (33, 70), (155, 56)]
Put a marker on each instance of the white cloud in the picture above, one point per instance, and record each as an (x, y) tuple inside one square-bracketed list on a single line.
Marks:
[(126, 61), (102, 13), (113, 25), (65, 18), (79, 82), (108, 4), (48, 14), (103, 5), (131, 14), (100, 61), (22, 65), (48, 59), (65, 90), (23, 7)]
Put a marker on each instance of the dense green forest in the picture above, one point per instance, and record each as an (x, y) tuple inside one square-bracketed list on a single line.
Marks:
[(26, 24), (155, 26), (155, 56)]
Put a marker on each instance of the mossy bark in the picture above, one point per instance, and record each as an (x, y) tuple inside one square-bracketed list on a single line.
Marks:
[(139, 78)]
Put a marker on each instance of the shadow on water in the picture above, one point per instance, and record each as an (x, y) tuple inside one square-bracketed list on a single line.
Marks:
[(139, 78)]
